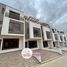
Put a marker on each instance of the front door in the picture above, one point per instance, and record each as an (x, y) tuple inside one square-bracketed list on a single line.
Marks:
[(45, 44), (32, 44)]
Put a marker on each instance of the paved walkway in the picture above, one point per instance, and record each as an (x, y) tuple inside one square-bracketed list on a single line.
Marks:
[(59, 62), (14, 59)]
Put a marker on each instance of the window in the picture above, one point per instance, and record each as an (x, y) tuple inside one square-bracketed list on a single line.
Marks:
[(3, 9), (10, 44), (56, 37), (0, 26), (26, 45), (37, 32), (45, 44), (14, 15), (65, 38), (0, 43), (26, 30), (16, 27), (61, 38), (53, 30), (48, 35), (32, 44), (1, 22)]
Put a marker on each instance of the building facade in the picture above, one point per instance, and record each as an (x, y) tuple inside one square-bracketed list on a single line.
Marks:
[(11, 29), (33, 33), (18, 31)]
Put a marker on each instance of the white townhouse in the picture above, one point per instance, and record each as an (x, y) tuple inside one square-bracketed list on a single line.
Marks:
[(11, 29), (33, 33), (47, 36), (55, 37), (63, 40)]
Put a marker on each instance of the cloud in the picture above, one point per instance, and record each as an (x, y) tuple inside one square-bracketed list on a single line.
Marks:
[(54, 12)]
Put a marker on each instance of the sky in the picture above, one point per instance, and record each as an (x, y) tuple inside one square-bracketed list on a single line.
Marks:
[(53, 12)]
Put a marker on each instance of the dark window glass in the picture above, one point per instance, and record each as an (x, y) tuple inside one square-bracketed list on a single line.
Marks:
[(32, 44), (37, 32), (0, 26), (16, 27), (26, 30), (48, 35), (45, 44), (14, 15), (53, 30), (1, 22), (56, 37), (61, 38), (54, 44), (10, 43), (65, 38), (26, 45), (0, 43)]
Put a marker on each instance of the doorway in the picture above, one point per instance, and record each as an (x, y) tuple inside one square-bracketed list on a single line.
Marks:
[(45, 44), (32, 44), (54, 44)]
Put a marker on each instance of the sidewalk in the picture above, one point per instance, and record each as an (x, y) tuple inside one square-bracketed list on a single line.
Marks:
[(59, 62)]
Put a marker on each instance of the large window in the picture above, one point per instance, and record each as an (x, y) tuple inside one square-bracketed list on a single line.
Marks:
[(56, 36), (16, 27), (37, 32), (14, 15), (10, 43), (48, 35)]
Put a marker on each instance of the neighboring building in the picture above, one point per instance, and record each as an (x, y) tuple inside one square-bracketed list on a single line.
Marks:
[(59, 39), (63, 41), (33, 33), (46, 35), (55, 37), (11, 29)]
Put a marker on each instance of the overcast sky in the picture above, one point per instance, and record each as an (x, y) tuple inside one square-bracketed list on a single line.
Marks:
[(53, 12)]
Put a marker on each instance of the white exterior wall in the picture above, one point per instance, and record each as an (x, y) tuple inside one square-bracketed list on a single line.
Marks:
[(49, 41), (44, 32), (31, 25)]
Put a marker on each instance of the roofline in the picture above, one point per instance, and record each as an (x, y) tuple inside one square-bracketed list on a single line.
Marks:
[(11, 7)]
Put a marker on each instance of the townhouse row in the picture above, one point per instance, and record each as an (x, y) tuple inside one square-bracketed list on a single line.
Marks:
[(18, 31)]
